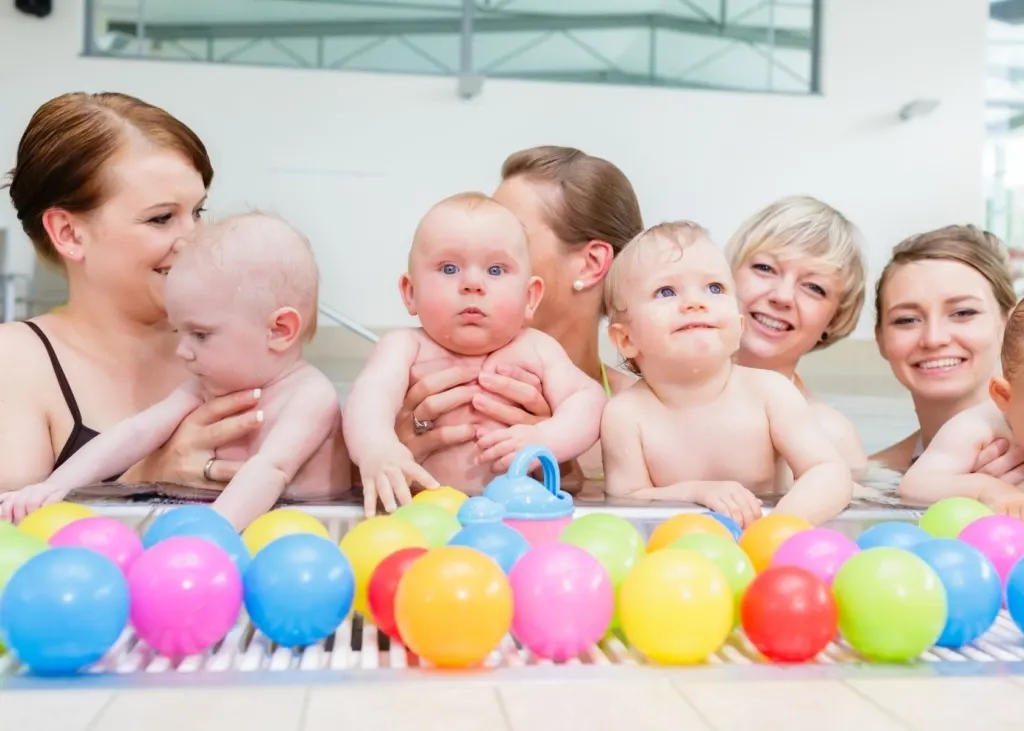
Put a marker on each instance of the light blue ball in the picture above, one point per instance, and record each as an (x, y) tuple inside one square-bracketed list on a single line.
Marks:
[(199, 521), (892, 534), (504, 544), (298, 589)]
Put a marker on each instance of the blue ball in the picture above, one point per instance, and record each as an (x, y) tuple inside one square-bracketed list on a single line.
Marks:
[(974, 592), (298, 589), (63, 609), (892, 534), (504, 544), (728, 522), (199, 521), (1014, 594)]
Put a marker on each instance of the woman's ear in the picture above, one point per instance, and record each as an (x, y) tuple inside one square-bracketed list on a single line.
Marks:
[(63, 230), (595, 260)]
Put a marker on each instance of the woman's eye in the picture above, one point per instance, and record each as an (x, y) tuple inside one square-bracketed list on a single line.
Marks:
[(161, 219), (762, 268)]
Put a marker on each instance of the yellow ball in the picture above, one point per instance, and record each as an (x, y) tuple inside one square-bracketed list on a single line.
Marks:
[(49, 519), (370, 542), (446, 497), (676, 607), (277, 523)]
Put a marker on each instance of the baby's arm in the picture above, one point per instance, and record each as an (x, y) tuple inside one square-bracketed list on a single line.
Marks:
[(945, 469), (369, 423), (822, 482), (297, 433), (576, 400), (110, 453)]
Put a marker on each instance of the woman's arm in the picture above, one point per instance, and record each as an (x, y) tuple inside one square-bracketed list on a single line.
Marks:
[(26, 449)]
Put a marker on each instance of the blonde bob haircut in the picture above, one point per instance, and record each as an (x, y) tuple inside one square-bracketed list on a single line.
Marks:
[(802, 226)]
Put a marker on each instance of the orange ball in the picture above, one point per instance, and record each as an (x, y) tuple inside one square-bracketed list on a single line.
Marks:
[(685, 524), (453, 606), (763, 537)]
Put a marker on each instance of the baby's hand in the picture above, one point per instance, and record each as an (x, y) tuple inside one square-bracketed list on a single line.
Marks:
[(1004, 500), (14, 506), (732, 499), (389, 476), (499, 447)]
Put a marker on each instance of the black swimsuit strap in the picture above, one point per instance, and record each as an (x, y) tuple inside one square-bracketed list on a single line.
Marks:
[(62, 380)]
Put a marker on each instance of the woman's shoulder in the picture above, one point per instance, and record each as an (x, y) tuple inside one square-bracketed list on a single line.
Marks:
[(21, 351)]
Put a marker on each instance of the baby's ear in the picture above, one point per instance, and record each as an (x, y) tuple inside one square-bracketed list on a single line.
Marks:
[(618, 333), (534, 294), (285, 327), (999, 391), (406, 290)]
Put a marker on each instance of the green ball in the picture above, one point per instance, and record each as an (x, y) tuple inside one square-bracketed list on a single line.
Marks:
[(892, 605), (726, 555), (613, 541), (437, 524), (947, 517)]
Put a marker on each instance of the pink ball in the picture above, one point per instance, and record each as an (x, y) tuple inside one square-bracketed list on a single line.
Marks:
[(820, 551), (186, 594), (999, 537), (106, 536), (563, 599)]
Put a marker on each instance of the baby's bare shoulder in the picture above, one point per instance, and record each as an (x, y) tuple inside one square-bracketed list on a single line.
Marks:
[(982, 422)]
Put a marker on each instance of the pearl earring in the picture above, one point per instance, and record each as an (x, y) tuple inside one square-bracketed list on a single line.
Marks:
[(578, 285)]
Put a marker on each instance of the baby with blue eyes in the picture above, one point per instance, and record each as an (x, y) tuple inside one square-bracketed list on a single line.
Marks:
[(697, 427), (470, 285)]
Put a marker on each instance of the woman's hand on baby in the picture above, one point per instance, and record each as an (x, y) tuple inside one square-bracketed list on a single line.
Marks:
[(732, 499), (14, 506), (427, 400), (389, 477), (183, 458), (513, 396), (1001, 459)]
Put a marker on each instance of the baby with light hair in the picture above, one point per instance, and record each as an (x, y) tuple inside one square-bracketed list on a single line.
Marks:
[(243, 297), (470, 284), (697, 427)]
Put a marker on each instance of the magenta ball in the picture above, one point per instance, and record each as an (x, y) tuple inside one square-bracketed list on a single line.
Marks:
[(820, 551), (186, 594), (106, 536), (563, 599), (1000, 538)]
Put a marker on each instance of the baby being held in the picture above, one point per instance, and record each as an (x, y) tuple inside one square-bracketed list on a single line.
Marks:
[(243, 298), (946, 467), (697, 427), (469, 283)]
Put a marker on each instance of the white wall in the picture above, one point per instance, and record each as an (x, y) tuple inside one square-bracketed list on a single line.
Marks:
[(354, 159)]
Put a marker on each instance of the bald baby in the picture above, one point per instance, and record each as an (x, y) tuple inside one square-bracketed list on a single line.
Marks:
[(243, 299), (470, 285)]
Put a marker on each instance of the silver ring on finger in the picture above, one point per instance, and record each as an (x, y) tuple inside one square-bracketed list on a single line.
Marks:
[(208, 468), (421, 427)]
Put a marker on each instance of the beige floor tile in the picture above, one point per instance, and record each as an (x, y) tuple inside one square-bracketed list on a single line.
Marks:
[(43, 710), (785, 705), (935, 704), (205, 709), (424, 706), (596, 706)]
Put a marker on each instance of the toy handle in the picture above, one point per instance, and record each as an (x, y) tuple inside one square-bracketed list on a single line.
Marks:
[(520, 466)]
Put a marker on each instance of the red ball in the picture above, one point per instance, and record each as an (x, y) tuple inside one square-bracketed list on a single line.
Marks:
[(380, 591), (789, 614)]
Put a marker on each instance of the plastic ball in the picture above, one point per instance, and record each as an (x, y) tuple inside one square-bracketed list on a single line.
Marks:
[(298, 589), (973, 589), (49, 519), (764, 536), (1015, 594), (453, 606), (63, 609), (504, 544), (728, 522), (106, 536), (186, 595), (892, 605), (949, 516), (1000, 538), (277, 524), (445, 497), (437, 524), (820, 550), (788, 614), (676, 607), (199, 521), (16, 547), (682, 525), (564, 601), (383, 585), (370, 542), (734, 564), (892, 534)]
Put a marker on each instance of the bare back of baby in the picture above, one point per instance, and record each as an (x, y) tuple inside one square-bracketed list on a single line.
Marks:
[(457, 466)]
